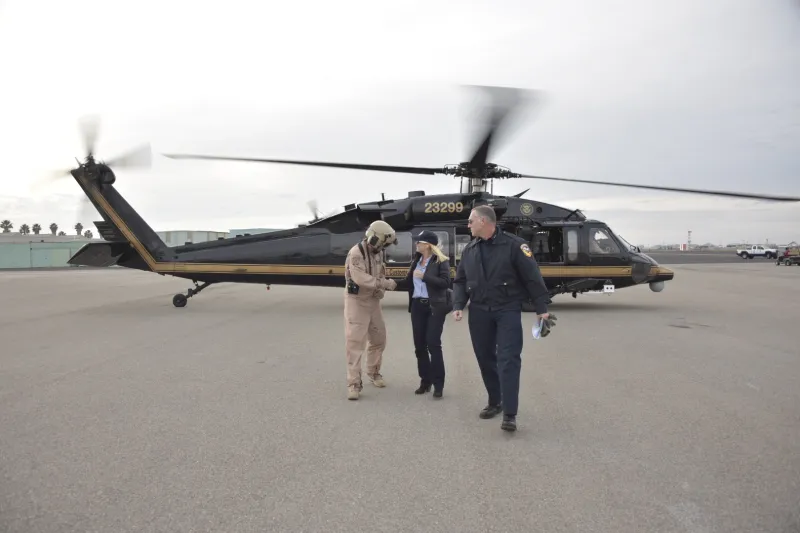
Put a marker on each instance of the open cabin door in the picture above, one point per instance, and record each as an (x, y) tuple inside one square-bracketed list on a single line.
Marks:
[(399, 257)]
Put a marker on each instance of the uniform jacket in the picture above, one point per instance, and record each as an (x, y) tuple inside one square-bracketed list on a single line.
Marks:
[(367, 270), (437, 281), (499, 273)]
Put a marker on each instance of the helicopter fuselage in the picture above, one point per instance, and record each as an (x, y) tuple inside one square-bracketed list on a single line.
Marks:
[(574, 254)]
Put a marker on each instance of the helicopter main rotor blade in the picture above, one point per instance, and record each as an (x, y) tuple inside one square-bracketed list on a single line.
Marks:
[(710, 192), (505, 101), (136, 158), (355, 166)]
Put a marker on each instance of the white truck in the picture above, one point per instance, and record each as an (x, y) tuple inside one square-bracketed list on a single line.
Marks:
[(757, 251)]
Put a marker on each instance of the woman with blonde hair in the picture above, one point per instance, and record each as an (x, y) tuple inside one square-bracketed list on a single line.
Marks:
[(429, 301)]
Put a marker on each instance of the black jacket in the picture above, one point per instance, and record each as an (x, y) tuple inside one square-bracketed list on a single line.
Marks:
[(511, 275), (437, 281)]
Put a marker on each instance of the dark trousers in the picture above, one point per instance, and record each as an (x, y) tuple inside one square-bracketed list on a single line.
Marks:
[(497, 341), (427, 325)]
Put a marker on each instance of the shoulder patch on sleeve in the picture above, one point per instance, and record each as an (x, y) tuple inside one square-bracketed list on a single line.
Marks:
[(526, 249)]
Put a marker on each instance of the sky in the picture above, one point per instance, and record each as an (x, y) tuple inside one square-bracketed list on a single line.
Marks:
[(681, 93)]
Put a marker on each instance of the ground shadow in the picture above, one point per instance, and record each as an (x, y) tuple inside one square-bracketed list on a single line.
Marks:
[(586, 305)]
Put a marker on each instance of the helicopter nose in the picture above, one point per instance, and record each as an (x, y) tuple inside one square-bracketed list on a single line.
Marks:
[(660, 273)]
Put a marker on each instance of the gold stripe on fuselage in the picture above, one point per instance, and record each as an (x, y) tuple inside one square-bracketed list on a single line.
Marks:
[(179, 267)]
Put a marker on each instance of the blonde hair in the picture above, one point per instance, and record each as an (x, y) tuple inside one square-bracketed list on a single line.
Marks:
[(437, 252)]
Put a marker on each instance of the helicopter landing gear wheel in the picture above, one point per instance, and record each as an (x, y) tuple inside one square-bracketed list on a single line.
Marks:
[(180, 300)]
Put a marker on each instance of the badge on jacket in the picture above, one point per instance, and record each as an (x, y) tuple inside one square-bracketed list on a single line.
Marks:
[(526, 250)]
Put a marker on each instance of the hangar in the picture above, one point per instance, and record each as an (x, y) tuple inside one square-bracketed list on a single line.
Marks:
[(18, 251)]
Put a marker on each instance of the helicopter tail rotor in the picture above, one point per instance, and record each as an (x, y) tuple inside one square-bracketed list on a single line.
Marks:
[(88, 129)]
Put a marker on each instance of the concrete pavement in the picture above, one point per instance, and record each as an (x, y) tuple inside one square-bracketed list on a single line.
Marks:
[(674, 411)]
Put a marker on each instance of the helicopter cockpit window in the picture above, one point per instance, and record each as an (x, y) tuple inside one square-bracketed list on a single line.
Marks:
[(403, 251), (624, 242), (601, 243)]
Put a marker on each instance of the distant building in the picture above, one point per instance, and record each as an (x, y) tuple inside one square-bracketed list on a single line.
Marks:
[(38, 251), (250, 231), (181, 237), (53, 251)]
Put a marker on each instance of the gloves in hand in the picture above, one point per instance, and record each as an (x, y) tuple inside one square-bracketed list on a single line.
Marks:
[(548, 323)]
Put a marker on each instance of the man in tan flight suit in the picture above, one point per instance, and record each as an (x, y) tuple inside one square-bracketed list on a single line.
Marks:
[(365, 286)]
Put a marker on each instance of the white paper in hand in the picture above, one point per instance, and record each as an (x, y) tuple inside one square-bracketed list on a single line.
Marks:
[(536, 330)]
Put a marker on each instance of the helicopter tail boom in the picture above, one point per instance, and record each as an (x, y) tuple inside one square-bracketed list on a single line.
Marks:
[(130, 241)]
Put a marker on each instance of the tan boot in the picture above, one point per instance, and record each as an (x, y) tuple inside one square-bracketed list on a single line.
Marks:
[(377, 380), (352, 392)]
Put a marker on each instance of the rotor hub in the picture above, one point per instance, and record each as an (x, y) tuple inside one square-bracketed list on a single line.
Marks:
[(477, 178)]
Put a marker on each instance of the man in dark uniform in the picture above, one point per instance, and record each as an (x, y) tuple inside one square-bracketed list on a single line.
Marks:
[(497, 273)]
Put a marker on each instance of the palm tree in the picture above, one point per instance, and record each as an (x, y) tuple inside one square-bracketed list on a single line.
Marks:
[(53, 228), (88, 234), (24, 229), (78, 228), (36, 229), (6, 225)]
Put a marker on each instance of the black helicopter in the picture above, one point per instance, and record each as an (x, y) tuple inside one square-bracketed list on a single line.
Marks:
[(575, 254)]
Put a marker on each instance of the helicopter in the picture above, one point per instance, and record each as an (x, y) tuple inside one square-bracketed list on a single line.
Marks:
[(575, 254)]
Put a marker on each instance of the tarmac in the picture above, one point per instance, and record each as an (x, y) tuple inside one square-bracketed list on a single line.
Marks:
[(678, 257), (676, 411)]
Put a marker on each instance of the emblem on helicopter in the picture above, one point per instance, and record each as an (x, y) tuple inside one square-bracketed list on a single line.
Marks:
[(526, 209)]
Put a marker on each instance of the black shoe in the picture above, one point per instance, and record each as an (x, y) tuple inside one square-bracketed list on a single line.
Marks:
[(490, 411), (509, 423), (423, 388), (437, 393)]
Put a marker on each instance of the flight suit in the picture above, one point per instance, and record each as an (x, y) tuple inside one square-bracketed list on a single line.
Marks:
[(363, 316)]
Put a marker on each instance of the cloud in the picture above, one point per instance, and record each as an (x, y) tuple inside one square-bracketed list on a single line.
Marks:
[(681, 93), (669, 203)]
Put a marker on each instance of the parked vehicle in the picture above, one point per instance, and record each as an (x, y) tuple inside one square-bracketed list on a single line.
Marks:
[(789, 258), (757, 251)]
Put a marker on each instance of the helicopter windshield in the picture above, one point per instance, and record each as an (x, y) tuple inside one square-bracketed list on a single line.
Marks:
[(624, 242)]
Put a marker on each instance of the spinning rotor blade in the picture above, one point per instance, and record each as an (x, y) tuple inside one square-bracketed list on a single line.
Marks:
[(312, 205), (505, 100), (139, 157), (709, 192), (89, 126), (355, 166)]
